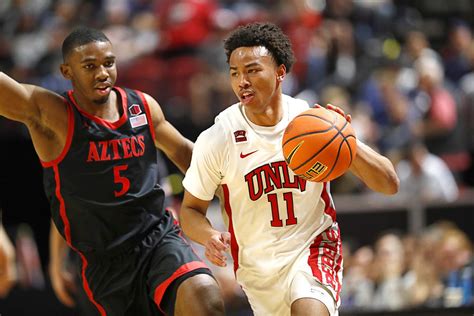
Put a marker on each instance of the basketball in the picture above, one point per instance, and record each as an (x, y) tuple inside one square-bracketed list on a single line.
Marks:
[(319, 145)]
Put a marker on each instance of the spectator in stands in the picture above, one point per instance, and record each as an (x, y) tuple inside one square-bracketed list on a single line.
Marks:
[(357, 285), (441, 273), (425, 177), (388, 292), (417, 46), (454, 263), (439, 123), (456, 54), (422, 282), (396, 132)]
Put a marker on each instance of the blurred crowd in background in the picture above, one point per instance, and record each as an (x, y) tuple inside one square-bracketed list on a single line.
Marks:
[(403, 69)]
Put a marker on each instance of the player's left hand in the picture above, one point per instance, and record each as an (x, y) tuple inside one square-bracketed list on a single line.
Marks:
[(8, 273), (216, 247), (336, 109), (63, 284)]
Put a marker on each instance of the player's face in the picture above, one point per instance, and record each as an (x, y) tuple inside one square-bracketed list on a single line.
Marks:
[(255, 77), (92, 71)]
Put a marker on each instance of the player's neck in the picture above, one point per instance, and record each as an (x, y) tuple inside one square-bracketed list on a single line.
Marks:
[(107, 111), (271, 115)]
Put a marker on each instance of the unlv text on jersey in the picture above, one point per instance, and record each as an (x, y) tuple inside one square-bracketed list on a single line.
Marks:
[(272, 173)]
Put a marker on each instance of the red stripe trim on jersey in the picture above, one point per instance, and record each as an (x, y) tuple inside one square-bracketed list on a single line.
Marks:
[(67, 145), (148, 114), (234, 247), (67, 234), (86, 286), (98, 120), (185, 268), (338, 266), (314, 258), (62, 207), (325, 259), (329, 205)]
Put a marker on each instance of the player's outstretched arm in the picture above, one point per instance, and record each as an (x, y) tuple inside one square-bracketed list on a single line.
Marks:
[(197, 227), (375, 170), (168, 139), (21, 102)]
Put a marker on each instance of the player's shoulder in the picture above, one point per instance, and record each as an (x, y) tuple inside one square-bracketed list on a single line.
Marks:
[(295, 103), (212, 137), (230, 113), (50, 103), (217, 134), (229, 119)]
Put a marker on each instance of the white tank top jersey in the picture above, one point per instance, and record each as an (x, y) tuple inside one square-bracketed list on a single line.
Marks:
[(273, 216)]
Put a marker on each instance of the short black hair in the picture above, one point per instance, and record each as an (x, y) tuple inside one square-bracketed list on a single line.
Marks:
[(267, 35), (82, 36)]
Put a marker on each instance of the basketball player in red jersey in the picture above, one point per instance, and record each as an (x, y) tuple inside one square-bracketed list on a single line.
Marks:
[(283, 234), (97, 144)]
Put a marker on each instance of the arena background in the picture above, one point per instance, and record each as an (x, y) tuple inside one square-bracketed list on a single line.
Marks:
[(394, 65)]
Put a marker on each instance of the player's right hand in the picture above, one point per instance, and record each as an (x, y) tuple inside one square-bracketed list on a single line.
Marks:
[(63, 284), (216, 247)]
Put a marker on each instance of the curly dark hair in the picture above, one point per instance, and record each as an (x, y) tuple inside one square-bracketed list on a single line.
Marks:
[(267, 35)]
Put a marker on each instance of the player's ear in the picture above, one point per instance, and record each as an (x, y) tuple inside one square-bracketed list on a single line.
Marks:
[(281, 72), (66, 71)]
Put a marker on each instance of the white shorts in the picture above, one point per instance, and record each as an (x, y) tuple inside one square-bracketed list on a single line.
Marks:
[(315, 274), (306, 286)]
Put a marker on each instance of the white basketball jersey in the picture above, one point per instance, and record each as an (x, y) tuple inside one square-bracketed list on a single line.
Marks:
[(272, 215)]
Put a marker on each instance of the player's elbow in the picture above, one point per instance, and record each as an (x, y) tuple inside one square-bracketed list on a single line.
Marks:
[(392, 183)]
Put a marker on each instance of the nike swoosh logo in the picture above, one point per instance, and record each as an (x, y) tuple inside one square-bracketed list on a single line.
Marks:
[(245, 155), (293, 152)]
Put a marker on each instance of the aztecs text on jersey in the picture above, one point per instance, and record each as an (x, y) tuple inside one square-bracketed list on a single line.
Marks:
[(103, 189)]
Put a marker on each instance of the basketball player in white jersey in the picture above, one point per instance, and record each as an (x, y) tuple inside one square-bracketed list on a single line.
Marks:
[(283, 234)]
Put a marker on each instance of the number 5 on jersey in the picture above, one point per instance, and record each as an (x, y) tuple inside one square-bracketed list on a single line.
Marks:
[(123, 182)]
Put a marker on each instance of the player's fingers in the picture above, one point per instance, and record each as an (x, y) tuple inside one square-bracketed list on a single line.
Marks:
[(5, 286), (317, 106), (337, 109), (69, 283), (216, 260), (3, 264), (217, 253), (62, 283), (348, 117), (60, 289), (65, 298), (225, 238), (8, 276), (218, 245)]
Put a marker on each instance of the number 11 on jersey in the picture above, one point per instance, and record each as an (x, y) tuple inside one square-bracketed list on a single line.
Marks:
[(290, 212)]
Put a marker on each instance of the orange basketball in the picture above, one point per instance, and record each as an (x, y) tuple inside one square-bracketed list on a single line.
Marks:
[(319, 145)]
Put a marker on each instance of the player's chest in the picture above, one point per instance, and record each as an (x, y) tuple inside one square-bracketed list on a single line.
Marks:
[(259, 171)]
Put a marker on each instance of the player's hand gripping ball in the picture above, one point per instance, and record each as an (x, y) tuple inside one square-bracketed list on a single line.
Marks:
[(319, 144)]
